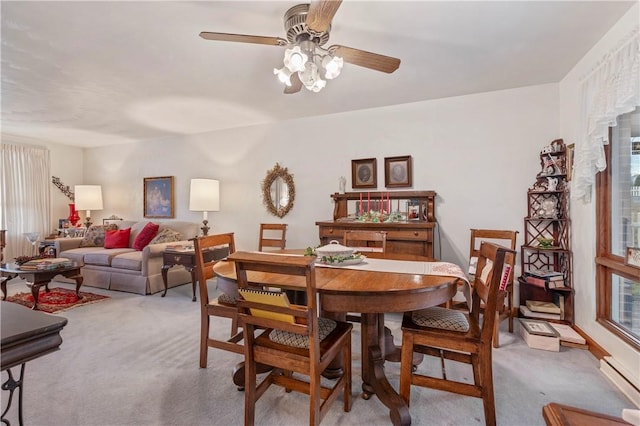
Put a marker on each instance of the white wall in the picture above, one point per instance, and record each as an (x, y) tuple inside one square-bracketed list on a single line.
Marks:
[(478, 152), (583, 217)]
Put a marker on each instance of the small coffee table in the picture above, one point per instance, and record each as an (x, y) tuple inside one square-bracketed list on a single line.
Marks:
[(38, 279)]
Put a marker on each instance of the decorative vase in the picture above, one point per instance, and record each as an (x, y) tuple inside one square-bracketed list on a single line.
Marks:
[(74, 217)]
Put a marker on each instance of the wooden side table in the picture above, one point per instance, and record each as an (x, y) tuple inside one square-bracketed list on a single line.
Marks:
[(564, 415), (187, 259), (26, 335)]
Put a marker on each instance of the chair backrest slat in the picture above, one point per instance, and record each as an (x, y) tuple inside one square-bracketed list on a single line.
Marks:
[(366, 240), (204, 269), (486, 285), (272, 235)]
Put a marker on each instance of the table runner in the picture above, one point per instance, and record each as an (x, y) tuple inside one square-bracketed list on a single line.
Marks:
[(446, 269)]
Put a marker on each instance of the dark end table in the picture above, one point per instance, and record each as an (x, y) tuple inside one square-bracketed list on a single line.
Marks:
[(37, 279), (187, 259), (26, 335)]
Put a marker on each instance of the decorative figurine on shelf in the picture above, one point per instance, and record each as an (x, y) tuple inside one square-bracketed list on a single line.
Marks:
[(552, 183), (548, 209), (342, 184)]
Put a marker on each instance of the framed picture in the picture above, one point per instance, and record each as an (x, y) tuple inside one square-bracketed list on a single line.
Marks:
[(540, 328), (633, 257), (158, 197), (397, 172), (569, 159), (364, 173)]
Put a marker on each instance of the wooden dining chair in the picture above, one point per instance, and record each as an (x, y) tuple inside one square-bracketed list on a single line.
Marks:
[(223, 306), (506, 238), (272, 236), (366, 241), (290, 338), (458, 336)]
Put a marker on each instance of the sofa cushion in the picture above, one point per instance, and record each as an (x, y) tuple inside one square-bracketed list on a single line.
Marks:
[(94, 237), (104, 256), (145, 236), (166, 235), (118, 238), (131, 260)]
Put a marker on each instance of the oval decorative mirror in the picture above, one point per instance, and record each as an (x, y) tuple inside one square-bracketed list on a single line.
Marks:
[(278, 191)]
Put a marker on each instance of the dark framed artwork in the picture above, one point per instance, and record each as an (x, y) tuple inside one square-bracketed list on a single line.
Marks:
[(158, 197), (364, 173), (397, 172)]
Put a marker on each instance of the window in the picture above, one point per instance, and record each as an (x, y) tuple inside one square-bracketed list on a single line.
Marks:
[(618, 227)]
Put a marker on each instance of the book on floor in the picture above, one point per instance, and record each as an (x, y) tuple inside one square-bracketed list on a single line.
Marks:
[(568, 334), (539, 335)]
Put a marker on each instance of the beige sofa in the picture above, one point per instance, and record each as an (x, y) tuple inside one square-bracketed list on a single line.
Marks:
[(126, 269)]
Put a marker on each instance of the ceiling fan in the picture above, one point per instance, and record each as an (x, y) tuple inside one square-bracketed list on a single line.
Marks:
[(306, 62)]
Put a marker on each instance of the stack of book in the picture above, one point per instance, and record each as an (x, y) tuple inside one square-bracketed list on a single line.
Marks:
[(546, 310), (544, 278), (46, 264)]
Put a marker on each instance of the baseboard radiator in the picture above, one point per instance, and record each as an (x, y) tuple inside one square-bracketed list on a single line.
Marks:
[(623, 380)]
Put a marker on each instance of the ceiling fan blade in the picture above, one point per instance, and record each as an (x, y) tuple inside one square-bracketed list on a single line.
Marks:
[(243, 38), (296, 84), (366, 59), (320, 14)]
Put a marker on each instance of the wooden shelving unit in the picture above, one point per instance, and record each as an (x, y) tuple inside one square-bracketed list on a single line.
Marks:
[(548, 220)]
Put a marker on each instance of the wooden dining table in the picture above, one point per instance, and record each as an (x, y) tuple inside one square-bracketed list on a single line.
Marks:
[(375, 287)]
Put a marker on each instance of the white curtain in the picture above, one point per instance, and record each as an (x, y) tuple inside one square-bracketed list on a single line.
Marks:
[(24, 196), (611, 89)]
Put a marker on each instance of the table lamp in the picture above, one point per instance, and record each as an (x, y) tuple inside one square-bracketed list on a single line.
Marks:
[(88, 197), (204, 197)]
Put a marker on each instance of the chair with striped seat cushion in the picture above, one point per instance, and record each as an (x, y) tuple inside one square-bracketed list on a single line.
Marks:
[(289, 338), (458, 336)]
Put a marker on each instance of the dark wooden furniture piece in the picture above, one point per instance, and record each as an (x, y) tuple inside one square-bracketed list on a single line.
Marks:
[(26, 335), (548, 218), (366, 241), (429, 333), (506, 238), (37, 279), (272, 236), (223, 306), (301, 346), (411, 236), (564, 415), (187, 259), (370, 293)]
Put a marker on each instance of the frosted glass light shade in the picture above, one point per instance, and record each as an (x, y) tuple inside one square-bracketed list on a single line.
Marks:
[(204, 195)]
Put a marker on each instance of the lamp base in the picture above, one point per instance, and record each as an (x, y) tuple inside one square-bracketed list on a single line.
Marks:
[(205, 228), (87, 222)]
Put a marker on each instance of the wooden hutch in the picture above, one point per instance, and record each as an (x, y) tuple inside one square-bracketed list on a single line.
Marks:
[(412, 236)]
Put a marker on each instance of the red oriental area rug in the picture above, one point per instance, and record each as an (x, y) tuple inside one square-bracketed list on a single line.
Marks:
[(57, 300)]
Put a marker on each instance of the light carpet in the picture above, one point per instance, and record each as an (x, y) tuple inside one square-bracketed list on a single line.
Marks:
[(133, 360)]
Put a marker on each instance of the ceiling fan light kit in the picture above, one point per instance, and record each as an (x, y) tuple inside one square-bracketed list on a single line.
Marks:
[(305, 62)]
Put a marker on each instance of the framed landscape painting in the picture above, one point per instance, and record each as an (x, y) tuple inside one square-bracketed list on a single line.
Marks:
[(158, 197)]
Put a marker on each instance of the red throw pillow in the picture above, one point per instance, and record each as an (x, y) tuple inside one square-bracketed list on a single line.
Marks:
[(117, 239), (147, 234)]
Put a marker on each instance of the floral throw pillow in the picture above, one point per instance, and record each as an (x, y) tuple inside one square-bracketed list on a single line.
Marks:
[(94, 237), (166, 235)]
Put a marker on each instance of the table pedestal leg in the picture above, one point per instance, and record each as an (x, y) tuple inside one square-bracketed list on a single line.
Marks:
[(373, 377)]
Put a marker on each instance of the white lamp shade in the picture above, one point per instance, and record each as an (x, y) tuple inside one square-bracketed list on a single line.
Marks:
[(88, 197), (204, 195)]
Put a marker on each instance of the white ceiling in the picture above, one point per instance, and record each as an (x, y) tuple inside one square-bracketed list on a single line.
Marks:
[(99, 73)]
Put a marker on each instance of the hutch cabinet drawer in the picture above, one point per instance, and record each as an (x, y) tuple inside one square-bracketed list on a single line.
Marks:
[(410, 235)]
